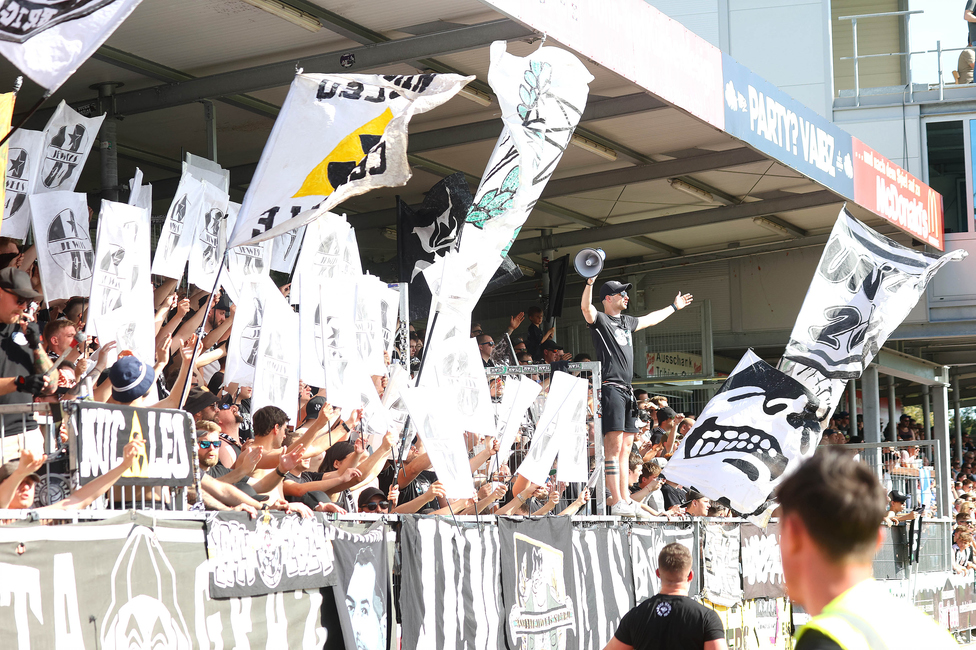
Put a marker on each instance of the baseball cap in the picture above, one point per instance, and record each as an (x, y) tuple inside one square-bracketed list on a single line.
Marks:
[(551, 345), (198, 399), (314, 407), (896, 495), (693, 495), (8, 468), (368, 494), (842, 414), (17, 282), (131, 379), (611, 287), (666, 413), (223, 304)]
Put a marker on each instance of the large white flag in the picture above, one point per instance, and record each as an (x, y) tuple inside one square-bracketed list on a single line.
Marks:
[(542, 97), (373, 302), (121, 305), (179, 227), (760, 425), (863, 288), (65, 255), (311, 363), (443, 439), (276, 373), (68, 139), (209, 241), (520, 393), (242, 346), (48, 40), (323, 252), (26, 150), (339, 340), (286, 247), (566, 395), (337, 136), (243, 261)]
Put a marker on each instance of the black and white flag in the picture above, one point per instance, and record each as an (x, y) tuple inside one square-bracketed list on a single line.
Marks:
[(604, 582), (363, 591), (539, 583), (863, 288), (179, 227), (759, 424), (762, 563), (450, 596), (68, 139), (275, 370), (48, 40), (243, 261), (645, 547), (723, 581), (210, 239), (25, 152), (65, 255), (242, 346)]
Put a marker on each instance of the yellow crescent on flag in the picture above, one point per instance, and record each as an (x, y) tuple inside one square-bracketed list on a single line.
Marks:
[(347, 154), (6, 114)]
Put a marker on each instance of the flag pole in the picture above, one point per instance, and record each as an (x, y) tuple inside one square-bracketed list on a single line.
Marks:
[(200, 331)]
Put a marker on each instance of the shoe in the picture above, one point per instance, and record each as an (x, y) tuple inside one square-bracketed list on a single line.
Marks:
[(622, 509), (640, 512)]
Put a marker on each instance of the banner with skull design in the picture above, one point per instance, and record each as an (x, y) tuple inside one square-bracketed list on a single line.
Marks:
[(68, 139), (25, 152), (179, 228), (275, 370), (208, 243), (242, 346), (558, 430), (121, 305), (48, 41), (337, 136), (65, 255), (863, 288), (243, 261), (542, 97), (758, 426)]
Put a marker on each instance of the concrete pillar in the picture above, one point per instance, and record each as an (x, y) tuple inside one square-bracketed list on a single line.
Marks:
[(108, 149), (210, 116), (957, 416), (940, 431), (927, 411), (852, 405), (871, 404), (892, 411)]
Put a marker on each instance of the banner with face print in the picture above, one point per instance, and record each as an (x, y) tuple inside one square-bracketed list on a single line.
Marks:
[(363, 593), (68, 139), (324, 252), (243, 261), (542, 97), (25, 150), (864, 287), (759, 423), (443, 439), (209, 240), (243, 344), (179, 227), (275, 370), (65, 255), (565, 404), (375, 319), (337, 136)]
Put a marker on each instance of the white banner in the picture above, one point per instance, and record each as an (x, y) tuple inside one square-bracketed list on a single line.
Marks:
[(68, 139), (337, 136), (572, 428), (26, 150), (209, 240), (243, 261), (48, 40), (140, 195), (566, 392), (520, 393), (374, 420), (371, 318), (338, 339), (204, 169), (864, 287), (542, 97), (443, 439), (179, 227), (121, 304), (311, 362), (242, 347), (756, 429), (396, 409), (324, 252), (65, 255), (276, 373), (285, 250)]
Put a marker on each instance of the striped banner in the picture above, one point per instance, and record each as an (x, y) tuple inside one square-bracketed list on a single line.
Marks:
[(604, 582)]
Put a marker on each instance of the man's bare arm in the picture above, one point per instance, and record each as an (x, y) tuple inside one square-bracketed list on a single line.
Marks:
[(586, 302), (680, 302)]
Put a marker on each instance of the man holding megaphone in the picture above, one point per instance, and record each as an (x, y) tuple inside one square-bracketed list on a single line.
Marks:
[(612, 333)]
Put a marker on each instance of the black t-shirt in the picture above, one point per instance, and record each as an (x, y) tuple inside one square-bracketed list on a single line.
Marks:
[(673, 622), (971, 6), (815, 639), (614, 342), (673, 496), (16, 360), (533, 341), (419, 486)]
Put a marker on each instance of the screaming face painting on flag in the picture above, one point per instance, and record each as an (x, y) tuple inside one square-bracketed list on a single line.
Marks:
[(337, 136), (207, 244), (749, 433), (275, 373)]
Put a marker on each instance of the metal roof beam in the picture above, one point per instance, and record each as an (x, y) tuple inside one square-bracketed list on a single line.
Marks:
[(274, 75), (589, 236)]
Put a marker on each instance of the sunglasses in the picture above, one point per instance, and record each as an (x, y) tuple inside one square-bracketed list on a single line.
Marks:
[(377, 505), (622, 294), (490, 344), (205, 444), (223, 406)]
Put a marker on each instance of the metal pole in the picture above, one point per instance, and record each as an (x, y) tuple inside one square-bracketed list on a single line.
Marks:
[(871, 405), (601, 485), (927, 411), (857, 83), (108, 139), (940, 414), (852, 405), (546, 256), (957, 416), (892, 411), (938, 50), (908, 43), (210, 115)]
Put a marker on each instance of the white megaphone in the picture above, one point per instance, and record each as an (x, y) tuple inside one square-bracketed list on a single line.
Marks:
[(589, 262)]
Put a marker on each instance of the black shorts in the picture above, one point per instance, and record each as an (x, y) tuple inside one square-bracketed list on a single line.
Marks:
[(618, 409)]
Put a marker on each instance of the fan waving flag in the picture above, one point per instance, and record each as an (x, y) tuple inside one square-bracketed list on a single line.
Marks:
[(542, 97), (48, 40), (337, 136)]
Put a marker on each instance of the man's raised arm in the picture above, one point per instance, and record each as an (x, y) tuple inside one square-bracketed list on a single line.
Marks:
[(680, 302), (586, 302)]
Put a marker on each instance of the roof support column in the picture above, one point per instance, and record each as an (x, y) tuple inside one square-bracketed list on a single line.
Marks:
[(957, 416), (210, 116), (852, 405), (927, 411), (108, 150), (871, 403), (892, 411), (940, 413)]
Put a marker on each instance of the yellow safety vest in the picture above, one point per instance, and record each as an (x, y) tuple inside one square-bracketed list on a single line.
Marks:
[(868, 617)]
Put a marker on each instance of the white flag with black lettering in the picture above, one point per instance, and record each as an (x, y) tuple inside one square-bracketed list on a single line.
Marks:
[(443, 438), (337, 136), (863, 288), (48, 40), (542, 97), (25, 152), (179, 228), (208, 243), (275, 371), (68, 139), (566, 394), (65, 255), (242, 346)]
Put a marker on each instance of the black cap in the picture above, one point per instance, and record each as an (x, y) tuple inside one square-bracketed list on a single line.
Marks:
[(611, 287), (368, 494), (665, 413), (898, 496), (313, 407), (693, 495), (223, 304), (10, 467), (216, 382), (198, 399), (552, 346), (842, 414), (17, 282)]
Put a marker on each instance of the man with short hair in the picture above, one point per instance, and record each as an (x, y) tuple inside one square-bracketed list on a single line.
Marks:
[(670, 619), (552, 353), (697, 504), (200, 403), (485, 345), (828, 541), (612, 333)]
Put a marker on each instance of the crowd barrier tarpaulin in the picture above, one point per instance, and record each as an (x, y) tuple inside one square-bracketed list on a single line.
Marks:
[(268, 554), (604, 582), (762, 564), (723, 582), (763, 624), (101, 432), (363, 598), (950, 599), (645, 546)]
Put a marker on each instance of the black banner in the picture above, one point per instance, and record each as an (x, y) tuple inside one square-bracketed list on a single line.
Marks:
[(762, 564), (103, 430), (604, 582), (539, 583), (274, 552), (646, 543), (557, 287), (362, 593)]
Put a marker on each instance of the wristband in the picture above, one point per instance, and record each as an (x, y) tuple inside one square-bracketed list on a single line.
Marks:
[(345, 426), (279, 473), (264, 506), (674, 306)]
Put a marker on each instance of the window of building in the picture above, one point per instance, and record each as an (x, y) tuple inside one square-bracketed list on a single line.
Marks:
[(946, 149)]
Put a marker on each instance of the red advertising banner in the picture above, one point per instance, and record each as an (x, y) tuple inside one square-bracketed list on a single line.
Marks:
[(892, 193)]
